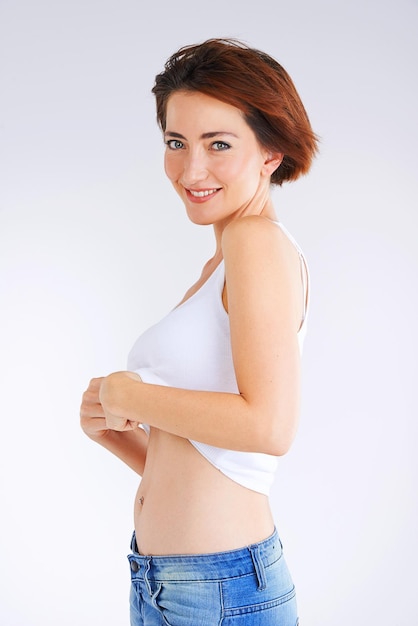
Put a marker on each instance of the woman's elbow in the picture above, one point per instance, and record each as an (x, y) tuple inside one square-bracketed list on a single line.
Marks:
[(279, 435), (277, 447)]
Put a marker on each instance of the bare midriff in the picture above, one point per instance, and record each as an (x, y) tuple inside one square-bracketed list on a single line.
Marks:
[(184, 505)]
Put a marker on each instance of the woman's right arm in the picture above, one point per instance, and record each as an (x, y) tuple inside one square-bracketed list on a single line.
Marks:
[(130, 446)]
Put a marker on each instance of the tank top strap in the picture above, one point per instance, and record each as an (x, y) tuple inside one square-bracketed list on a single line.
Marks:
[(303, 270)]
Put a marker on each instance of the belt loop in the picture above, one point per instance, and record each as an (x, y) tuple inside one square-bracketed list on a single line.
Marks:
[(258, 566)]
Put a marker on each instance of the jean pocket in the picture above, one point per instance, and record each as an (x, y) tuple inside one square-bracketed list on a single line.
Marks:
[(185, 603)]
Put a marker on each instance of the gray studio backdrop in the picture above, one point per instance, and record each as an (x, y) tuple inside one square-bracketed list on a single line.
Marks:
[(95, 246)]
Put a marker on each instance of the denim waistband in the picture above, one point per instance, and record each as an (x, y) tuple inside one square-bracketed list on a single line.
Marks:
[(211, 566)]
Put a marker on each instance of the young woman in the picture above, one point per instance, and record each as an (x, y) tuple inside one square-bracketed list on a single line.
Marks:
[(215, 384)]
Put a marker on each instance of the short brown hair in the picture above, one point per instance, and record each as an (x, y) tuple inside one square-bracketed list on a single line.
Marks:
[(253, 82)]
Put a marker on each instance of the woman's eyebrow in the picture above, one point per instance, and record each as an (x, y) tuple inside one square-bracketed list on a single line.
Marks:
[(216, 133), (210, 135)]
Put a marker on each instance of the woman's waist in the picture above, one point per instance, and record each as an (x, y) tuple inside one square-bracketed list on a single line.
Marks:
[(185, 504), (168, 532)]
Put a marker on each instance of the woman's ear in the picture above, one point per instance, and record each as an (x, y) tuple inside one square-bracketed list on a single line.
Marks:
[(271, 163)]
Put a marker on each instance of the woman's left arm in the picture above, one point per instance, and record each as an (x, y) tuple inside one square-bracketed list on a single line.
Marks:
[(265, 306)]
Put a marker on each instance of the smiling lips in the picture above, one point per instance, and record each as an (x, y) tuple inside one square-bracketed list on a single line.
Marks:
[(201, 194)]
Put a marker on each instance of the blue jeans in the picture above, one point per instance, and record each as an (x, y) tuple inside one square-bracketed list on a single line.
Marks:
[(246, 587)]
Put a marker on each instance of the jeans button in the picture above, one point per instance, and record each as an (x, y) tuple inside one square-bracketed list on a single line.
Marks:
[(134, 566)]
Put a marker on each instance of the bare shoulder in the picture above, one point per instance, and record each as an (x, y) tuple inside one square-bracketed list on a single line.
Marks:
[(262, 270), (255, 237)]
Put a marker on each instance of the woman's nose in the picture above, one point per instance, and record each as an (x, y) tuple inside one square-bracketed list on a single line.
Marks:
[(194, 170)]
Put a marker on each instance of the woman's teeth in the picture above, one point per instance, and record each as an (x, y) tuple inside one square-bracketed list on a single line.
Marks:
[(202, 194)]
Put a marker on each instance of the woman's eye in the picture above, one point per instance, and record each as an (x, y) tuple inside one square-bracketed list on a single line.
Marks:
[(220, 145), (174, 144)]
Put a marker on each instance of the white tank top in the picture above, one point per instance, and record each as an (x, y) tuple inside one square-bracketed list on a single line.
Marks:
[(190, 348)]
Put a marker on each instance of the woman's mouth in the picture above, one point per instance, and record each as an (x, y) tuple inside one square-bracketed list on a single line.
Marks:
[(200, 195)]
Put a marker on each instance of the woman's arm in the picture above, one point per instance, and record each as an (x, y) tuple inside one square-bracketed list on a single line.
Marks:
[(265, 311), (130, 446)]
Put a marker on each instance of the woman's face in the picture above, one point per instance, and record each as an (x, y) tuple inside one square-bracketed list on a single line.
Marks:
[(212, 158)]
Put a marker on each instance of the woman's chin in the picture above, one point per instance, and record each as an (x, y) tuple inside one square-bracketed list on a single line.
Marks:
[(199, 218)]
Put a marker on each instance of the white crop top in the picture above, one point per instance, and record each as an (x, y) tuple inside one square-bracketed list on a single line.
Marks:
[(190, 348)]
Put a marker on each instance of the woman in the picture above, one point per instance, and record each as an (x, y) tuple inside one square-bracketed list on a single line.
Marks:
[(215, 384)]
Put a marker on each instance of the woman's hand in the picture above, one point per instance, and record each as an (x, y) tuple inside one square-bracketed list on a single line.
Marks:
[(92, 417), (102, 426), (112, 389), (96, 415)]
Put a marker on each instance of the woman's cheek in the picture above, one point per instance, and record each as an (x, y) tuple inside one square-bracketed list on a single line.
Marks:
[(171, 166)]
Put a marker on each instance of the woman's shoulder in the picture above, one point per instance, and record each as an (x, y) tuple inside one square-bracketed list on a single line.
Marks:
[(256, 236), (264, 265)]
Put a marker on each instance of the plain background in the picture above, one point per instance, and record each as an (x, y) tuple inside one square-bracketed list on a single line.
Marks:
[(95, 246)]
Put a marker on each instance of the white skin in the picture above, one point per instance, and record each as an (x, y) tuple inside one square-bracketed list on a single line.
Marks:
[(222, 174)]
